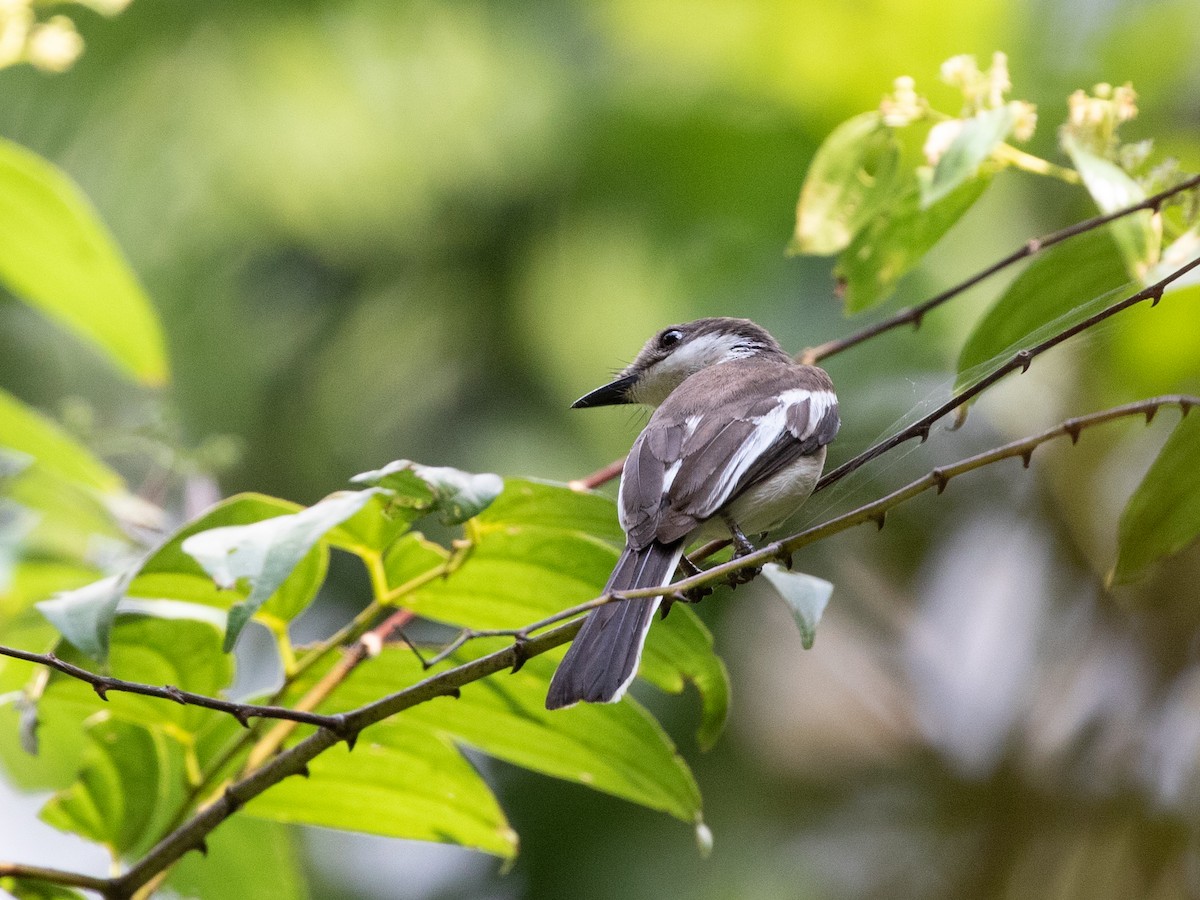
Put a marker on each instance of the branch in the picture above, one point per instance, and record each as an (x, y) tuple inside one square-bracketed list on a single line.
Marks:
[(1020, 360), (53, 876), (294, 761), (104, 684), (876, 511), (914, 314), (346, 726)]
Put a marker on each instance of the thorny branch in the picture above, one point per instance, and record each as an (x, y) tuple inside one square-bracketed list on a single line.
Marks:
[(914, 315), (1019, 361), (346, 726)]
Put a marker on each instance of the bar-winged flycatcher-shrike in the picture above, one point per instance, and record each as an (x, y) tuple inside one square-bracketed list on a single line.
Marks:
[(735, 445)]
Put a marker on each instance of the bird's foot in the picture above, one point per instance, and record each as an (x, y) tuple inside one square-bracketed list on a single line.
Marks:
[(741, 547)]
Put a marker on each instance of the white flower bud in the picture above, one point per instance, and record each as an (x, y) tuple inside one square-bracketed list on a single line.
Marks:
[(54, 45)]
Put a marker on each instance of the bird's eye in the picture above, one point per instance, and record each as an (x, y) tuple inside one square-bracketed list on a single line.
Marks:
[(669, 338)]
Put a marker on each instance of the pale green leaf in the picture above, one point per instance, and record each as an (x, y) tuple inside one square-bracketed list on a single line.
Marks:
[(806, 597), (977, 137), (854, 173), (131, 784), (1139, 236), (56, 255), (543, 504), (679, 650), (1163, 515), (246, 859), (85, 615), (31, 433), (401, 780), (453, 494), (265, 553), (895, 241), (615, 748), (1059, 288)]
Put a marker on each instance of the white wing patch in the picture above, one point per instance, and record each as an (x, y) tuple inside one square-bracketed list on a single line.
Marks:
[(768, 428), (819, 403)]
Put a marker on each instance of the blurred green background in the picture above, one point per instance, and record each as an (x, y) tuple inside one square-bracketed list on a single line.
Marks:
[(379, 230)]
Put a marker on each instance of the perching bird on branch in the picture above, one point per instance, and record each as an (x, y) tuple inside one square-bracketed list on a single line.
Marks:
[(735, 445)]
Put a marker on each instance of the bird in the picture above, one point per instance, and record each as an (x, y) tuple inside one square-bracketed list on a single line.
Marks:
[(735, 445)]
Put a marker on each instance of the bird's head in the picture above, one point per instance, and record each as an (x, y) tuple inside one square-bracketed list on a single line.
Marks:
[(679, 351)]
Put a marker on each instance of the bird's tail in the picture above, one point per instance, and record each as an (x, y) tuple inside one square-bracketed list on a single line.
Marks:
[(605, 654)]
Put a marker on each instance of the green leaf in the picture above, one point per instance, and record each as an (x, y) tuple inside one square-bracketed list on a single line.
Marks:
[(679, 649), (541, 547), (401, 780), (1163, 515), (373, 528), (412, 557), (853, 174), (265, 553), (131, 784), (805, 595), (29, 432), (517, 575), (453, 494), (542, 504), (895, 241), (971, 147), (615, 748), (1058, 289), (180, 652), (247, 859), (85, 615), (1139, 236), (56, 255)]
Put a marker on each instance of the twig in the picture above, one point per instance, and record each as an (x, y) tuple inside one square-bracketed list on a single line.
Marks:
[(937, 479), (346, 726), (53, 876), (1020, 360), (104, 685), (294, 761), (914, 314)]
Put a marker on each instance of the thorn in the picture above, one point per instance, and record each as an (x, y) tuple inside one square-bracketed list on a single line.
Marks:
[(175, 694), (1150, 412), (351, 740), (453, 692), (202, 847), (1023, 359), (1027, 457), (880, 520), (520, 655), (101, 689), (923, 433), (1185, 406), (940, 478), (241, 716), (303, 771), (918, 317), (232, 801), (1155, 296), (1072, 428)]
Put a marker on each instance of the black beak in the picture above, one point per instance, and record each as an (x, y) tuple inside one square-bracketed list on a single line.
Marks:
[(610, 395)]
